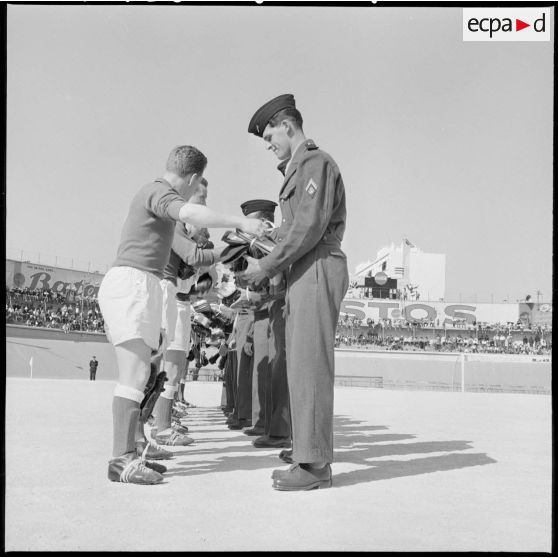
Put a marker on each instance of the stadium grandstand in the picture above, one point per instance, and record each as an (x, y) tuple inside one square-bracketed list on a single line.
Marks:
[(48, 296)]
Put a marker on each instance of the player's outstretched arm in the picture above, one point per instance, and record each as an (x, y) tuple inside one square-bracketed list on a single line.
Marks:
[(203, 216)]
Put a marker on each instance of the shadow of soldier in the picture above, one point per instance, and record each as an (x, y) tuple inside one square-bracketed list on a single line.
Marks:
[(352, 445), (348, 433), (384, 470), (355, 443)]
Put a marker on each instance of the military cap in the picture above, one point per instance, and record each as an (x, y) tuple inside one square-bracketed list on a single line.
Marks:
[(265, 113), (251, 206)]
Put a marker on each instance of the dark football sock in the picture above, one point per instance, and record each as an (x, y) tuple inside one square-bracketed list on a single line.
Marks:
[(125, 416)]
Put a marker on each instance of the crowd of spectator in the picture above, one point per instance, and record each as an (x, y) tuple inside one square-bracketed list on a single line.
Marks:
[(352, 321), (428, 335), (46, 308), (72, 312), (450, 343)]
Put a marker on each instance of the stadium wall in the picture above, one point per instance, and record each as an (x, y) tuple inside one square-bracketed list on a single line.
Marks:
[(444, 371), (59, 355)]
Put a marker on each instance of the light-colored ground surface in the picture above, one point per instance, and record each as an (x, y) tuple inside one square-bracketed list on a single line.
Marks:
[(414, 471)]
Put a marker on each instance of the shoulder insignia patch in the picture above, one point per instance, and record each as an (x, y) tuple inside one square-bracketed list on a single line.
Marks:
[(311, 188)]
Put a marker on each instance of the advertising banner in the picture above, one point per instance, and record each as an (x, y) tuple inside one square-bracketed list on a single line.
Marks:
[(60, 280), (535, 313), (447, 313)]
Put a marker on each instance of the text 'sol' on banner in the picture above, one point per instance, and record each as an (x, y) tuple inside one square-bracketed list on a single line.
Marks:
[(506, 24)]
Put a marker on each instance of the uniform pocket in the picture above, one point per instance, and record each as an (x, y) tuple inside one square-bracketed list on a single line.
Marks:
[(288, 191)]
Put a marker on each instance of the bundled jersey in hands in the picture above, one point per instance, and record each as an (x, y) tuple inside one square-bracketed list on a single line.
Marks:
[(209, 317), (240, 244)]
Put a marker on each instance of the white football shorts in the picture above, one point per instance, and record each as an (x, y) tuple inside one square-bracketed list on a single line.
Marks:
[(181, 340), (131, 302), (170, 312)]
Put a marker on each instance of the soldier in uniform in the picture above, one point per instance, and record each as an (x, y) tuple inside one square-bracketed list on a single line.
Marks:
[(312, 200), (278, 415), (241, 416), (261, 385), (270, 396)]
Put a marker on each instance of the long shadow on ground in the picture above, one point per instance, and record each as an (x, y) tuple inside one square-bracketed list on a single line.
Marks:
[(354, 442)]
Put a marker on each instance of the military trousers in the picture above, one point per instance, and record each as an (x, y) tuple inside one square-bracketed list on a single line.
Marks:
[(316, 285), (261, 389), (229, 379), (278, 413), (243, 394)]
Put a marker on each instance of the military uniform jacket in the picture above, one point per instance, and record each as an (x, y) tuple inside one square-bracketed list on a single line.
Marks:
[(312, 200)]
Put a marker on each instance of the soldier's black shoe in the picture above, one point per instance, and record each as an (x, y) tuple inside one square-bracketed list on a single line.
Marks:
[(239, 424), (271, 442), (277, 473), (254, 431), (303, 477), (130, 468), (286, 456)]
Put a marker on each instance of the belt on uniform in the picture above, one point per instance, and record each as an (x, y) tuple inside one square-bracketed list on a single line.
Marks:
[(329, 241), (331, 245)]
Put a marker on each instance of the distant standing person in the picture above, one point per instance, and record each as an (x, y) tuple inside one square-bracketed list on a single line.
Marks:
[(93, 363)]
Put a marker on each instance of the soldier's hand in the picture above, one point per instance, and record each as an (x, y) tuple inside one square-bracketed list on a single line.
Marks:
[(254, 226), (248, 349), (253, 273), (276, 284)]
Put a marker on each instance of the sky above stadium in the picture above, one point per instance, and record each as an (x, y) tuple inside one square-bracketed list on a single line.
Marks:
[(444, 142)]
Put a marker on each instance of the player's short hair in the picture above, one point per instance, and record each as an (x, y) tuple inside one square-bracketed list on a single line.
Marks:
[(290, 113), (186, 159)]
